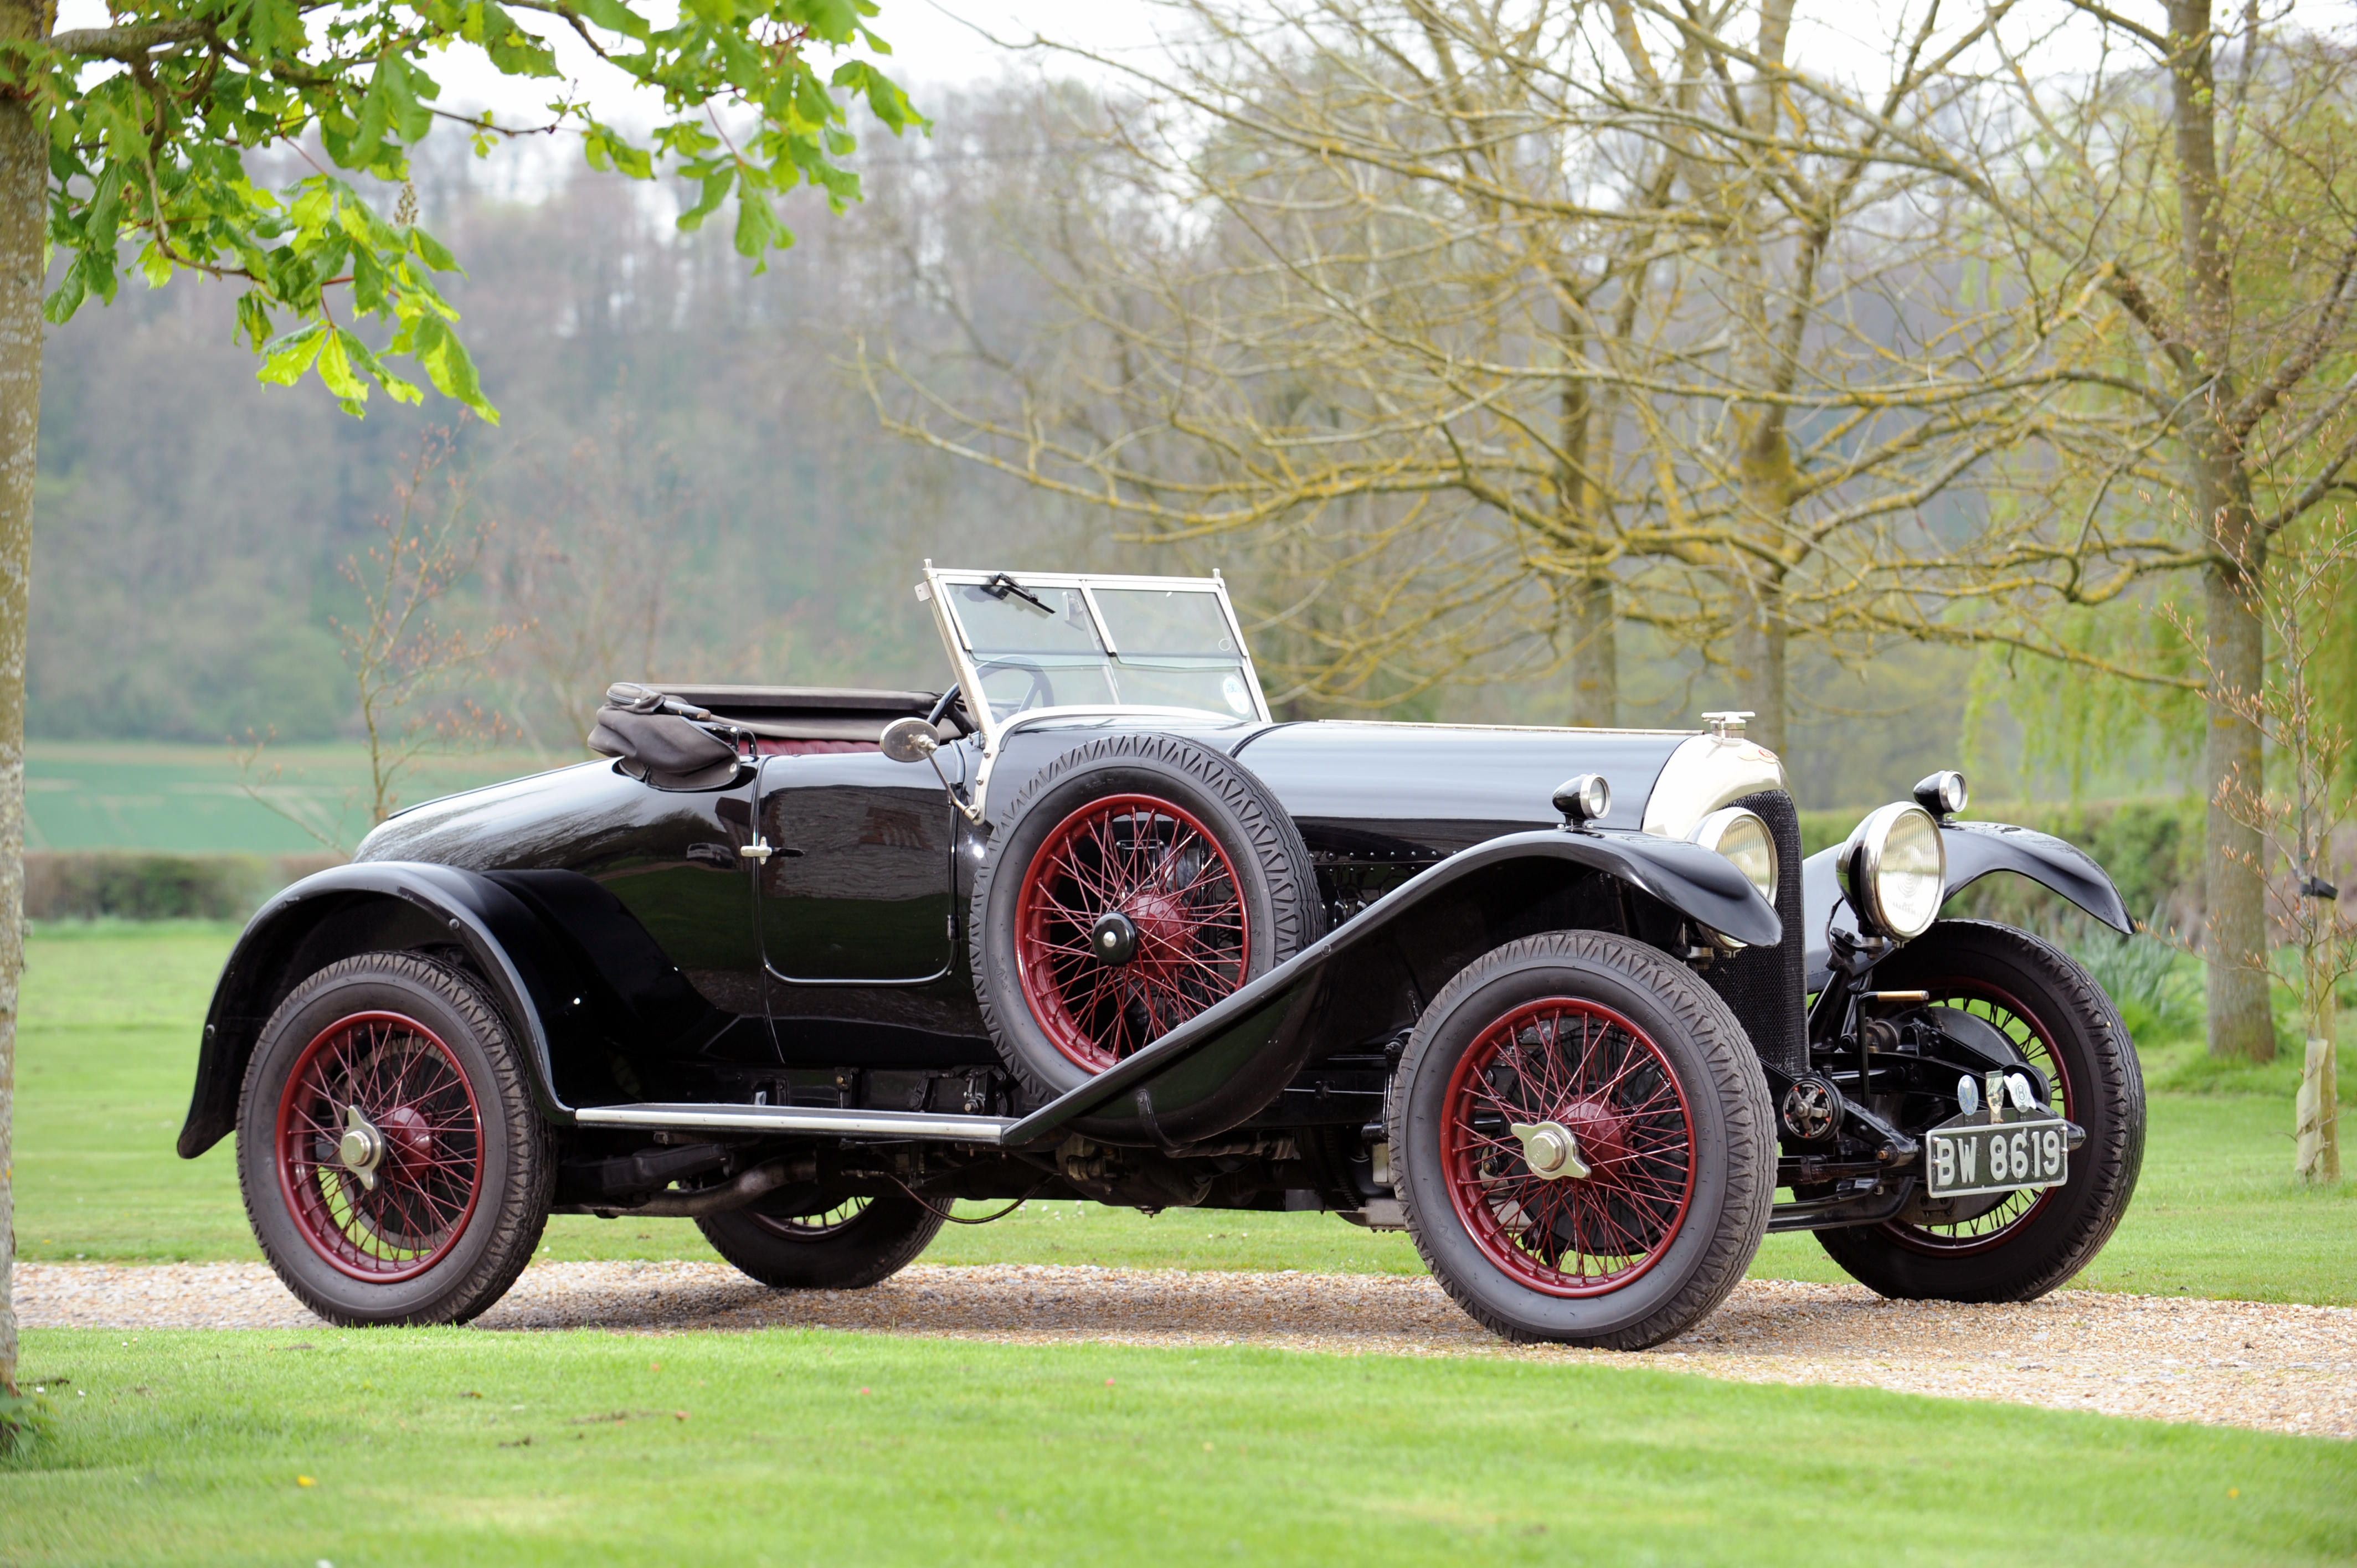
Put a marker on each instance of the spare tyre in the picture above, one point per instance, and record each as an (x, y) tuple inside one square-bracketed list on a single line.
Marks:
[(1137, 880)]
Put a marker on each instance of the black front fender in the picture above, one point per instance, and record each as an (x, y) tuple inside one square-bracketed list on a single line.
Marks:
[(404, 902), (1974, 851), (1374, 976)]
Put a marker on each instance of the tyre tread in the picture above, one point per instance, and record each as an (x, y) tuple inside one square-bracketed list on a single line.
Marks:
[(1743, 1091), (851, 1262), (1869, 1258), (522, 1213)]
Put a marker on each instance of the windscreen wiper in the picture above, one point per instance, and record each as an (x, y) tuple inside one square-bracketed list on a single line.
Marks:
[(1001, 585)]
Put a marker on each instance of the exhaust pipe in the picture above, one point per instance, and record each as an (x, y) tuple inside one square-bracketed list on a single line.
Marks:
[(734, 1193)]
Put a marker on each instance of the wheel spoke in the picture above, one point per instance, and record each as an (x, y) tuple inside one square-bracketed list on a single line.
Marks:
[(407, 1084), (1980, 1000), (1578, 1062), (1151, 861)]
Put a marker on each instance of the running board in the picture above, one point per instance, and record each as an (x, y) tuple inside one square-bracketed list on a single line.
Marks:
[(990, 1130)]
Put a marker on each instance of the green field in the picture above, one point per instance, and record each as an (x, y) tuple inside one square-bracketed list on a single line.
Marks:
[(192, 800), (454, 1446), (110, 1020)]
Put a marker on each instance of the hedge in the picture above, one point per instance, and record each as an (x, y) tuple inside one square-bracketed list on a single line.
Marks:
[(128, 885)]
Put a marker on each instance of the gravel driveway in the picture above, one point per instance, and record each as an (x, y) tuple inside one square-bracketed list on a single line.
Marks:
[(2277, 1368)]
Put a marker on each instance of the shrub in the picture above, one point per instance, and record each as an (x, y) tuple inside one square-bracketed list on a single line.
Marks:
[(134, 885), (2155, 987), (24, 1418)]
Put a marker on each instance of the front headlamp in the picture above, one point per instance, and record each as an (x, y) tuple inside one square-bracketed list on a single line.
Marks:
[(1743, 837), (1894, 870)]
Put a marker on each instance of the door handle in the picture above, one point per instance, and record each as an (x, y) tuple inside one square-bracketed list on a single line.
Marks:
[(756, 852)]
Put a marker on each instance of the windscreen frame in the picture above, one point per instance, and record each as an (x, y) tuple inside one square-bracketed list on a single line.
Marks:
[(934, 591)]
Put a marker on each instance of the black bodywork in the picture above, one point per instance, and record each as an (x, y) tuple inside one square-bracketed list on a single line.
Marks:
[(821, 998)]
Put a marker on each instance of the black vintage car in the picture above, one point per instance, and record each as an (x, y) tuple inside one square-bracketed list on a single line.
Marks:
[(809, 965)]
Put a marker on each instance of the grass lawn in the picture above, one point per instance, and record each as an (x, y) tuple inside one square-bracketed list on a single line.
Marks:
[(111, 1014), (453, 1447)]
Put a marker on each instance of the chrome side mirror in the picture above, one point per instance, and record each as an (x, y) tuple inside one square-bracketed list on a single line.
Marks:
[(909, 740), (914, 740)]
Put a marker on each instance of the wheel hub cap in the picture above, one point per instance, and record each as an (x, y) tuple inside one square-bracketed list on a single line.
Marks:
[(1551, 1150), (362, 1148), (408, 1141), (1114, 939)]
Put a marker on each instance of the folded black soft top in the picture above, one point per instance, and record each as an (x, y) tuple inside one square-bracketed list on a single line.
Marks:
[(763, 701)]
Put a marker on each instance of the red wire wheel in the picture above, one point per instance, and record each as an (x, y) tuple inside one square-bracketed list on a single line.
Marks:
[(2013, 1018), (380, 1146), (1184, 936), (1593, 1073)]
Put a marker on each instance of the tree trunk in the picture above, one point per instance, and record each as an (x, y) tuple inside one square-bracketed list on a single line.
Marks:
[(24, 182), (2315, 1113), (2234, 891), (1596, 664), (2233, 871), (1581, 502), (1759, 642)]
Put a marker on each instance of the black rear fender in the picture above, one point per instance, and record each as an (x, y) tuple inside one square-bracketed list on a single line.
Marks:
[(1373, 975), (381, 906)]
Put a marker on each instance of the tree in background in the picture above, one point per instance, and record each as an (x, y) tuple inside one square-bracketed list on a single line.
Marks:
[(586, 594), (2303, 713), (2185, 214), (1488, 333), (408, 656), (136, 135)]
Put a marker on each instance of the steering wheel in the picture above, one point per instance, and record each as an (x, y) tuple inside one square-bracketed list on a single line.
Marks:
[(1041, 693)]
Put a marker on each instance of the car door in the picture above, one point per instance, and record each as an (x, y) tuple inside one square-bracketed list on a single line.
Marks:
[(857, 886)]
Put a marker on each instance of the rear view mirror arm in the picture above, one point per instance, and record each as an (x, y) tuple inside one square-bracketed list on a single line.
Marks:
[(914, 740)]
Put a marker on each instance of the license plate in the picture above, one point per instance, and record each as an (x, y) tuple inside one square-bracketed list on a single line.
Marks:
[(1962, 1158)]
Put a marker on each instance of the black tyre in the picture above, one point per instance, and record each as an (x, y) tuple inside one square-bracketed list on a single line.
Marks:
[(1609, 1051), (854, 1244), (2025, 1244), (1138, 880), (395, 1167)]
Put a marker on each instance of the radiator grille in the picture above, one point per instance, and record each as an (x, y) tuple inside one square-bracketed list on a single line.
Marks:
[(1764, 985)]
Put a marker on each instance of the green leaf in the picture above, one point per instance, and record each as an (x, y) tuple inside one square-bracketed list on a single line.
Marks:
[(97, 269), (368, 283), (377, 108), (312, 210), (60, 307), (449, 366), (616, 17), (431, 251), (757, 226), (334, 366), (253, 319), (715, 191), (286, 361), (606, 149)]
